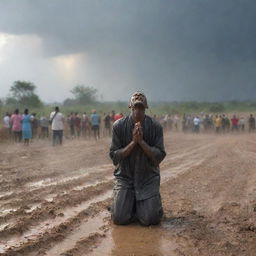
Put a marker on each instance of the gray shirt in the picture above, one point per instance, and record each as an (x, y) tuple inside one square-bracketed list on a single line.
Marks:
[(137, 171)]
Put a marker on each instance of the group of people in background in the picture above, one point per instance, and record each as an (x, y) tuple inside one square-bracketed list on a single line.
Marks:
[(220, 123), (26, 126), (92, 125), (20, 126)]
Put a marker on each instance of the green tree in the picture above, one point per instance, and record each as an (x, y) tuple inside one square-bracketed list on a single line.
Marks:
[(23, 92), (84, 94)]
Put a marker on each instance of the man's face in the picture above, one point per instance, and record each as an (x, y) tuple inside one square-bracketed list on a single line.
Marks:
[(138, 112)]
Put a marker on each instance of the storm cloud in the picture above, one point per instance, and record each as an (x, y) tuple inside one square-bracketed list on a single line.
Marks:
[(172, 50)]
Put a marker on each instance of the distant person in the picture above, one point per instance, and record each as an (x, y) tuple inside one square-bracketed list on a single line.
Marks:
[(16, 125), (44, 124), (175, 122), (164, 122), (71, 122), (251, 122), (107, 124), (196, 122), (95, 123), (118, 116), (26, 127), (189, 123), (113, 113), (218, 124), (227, 123), (35, 125), (7, 125), (207, 123), (57, 124), (77, 124), (242, 124), (234, 122), (85, 126), (223, 123), (184, 122)]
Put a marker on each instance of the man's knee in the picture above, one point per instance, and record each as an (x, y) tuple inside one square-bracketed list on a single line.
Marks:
[(153, 218), (120, 218), (150, 211), (123, 208)]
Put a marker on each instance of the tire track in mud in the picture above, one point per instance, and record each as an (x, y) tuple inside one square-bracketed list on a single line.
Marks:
[(59, 211), (99, 224), (35, 192), (20, 165), (34, 243)]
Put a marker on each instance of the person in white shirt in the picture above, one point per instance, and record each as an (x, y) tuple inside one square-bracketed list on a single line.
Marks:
[(57, 123), (196, 122), (242, 124), (7, 124), (6, 121), (176, 121)]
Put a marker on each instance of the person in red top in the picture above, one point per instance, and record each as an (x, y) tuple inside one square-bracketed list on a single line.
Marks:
[(234, 121), (16, 119), (118, 116)]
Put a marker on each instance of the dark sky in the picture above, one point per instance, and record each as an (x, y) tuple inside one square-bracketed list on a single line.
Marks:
[(172, 50)]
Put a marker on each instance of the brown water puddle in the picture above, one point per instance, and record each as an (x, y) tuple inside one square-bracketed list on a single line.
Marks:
[(136, 240)]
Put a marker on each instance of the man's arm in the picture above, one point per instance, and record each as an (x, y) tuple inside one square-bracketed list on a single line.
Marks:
[(124, 152), (157, 152), (147, 149), (117, 152)]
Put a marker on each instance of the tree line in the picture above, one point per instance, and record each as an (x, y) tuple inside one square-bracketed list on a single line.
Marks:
[(23, 93)]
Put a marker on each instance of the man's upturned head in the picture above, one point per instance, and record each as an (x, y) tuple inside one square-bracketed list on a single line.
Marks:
[(138, 98), (138, 104)]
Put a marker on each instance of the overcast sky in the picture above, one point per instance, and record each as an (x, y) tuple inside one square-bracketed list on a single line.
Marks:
[(172, 50)]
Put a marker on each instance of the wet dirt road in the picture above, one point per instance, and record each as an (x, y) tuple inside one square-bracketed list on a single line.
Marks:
[(53, 201)]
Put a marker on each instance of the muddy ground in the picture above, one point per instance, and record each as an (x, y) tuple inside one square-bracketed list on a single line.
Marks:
[(54, 201)]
